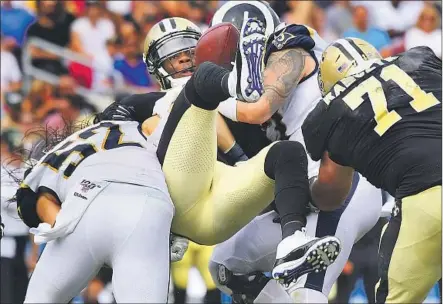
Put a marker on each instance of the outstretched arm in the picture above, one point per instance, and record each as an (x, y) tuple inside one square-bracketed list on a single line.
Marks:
[(283, 72)]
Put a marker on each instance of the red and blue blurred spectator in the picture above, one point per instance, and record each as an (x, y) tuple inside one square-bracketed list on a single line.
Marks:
[(130, 64)]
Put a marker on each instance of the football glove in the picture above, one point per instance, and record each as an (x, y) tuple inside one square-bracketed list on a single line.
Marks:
[(179, 245), (116, 111)]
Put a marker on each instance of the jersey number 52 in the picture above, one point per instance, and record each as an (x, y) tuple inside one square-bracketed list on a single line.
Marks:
[(373, 87), (112, 138)]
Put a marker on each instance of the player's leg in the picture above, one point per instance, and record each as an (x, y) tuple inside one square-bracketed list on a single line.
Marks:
[(348, 224), (359, 217), (238, 194), (237, 265), (63, 270), (410, 249), (188, 146), (187, 151), (140, 255), (369, 244)]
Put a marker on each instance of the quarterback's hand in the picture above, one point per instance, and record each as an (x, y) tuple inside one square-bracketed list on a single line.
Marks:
[(116, 111), (179, 245), (246, 79)]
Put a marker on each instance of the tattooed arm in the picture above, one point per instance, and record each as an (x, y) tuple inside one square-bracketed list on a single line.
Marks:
[(283, 72)]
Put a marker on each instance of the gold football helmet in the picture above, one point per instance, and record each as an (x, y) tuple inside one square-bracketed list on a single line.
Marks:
[(167, 38), (344, 58)]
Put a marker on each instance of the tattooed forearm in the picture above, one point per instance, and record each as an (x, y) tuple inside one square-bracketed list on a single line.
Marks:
[(283, 72)]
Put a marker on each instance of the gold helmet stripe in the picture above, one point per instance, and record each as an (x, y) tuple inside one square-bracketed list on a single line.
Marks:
[(343, 51), (357, 48), (352, 52)]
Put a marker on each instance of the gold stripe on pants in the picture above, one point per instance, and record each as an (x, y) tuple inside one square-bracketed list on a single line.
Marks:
[(410, 251)]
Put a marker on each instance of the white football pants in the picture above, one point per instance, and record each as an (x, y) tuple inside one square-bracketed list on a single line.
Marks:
[(127, 228)]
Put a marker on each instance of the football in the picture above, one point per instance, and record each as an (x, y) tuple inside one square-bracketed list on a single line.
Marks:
[(218, 45)]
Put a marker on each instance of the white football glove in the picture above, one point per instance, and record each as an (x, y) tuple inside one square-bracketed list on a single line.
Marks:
[(179, 245), (245, 82)]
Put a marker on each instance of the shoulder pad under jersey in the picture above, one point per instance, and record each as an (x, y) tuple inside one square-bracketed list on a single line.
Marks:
[(291, 36)]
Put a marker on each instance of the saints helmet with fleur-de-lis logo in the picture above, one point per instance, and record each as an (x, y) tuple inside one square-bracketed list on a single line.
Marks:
[(343, 58), (166, 39)]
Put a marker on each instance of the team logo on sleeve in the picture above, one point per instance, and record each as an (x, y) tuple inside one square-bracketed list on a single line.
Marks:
[(282, 39)]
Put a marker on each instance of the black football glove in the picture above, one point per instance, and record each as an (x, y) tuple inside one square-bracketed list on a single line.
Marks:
[(116, 112)]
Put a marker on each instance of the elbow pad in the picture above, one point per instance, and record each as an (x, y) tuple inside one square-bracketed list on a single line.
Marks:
[(27, 207)]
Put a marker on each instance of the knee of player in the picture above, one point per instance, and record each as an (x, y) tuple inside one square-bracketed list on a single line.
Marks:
[(287, 155)]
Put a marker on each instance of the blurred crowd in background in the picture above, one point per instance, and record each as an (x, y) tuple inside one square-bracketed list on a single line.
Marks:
[(62, 61)]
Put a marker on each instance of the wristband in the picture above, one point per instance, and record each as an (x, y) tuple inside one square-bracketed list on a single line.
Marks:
[(228, 108), (236, 153)]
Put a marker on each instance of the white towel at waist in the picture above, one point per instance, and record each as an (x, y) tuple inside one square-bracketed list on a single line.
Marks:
[(76, 203)]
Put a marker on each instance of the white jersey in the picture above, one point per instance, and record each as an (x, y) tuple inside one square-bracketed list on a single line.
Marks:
[(301, 101), (115, 151), (299, 104)]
